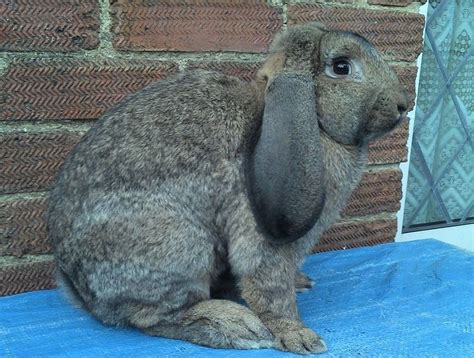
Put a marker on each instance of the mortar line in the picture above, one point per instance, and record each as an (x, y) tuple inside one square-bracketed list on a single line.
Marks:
[(23, 196), (7, 127), (382, 166), (9, 260), (138, 55), (105, 35), (401, 63), (385, 215)]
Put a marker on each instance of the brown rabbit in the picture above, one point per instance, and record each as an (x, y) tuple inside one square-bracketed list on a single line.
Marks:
[(201, 184)]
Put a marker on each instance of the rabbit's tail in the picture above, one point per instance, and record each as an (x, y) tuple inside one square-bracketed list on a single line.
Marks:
[(215, 323)]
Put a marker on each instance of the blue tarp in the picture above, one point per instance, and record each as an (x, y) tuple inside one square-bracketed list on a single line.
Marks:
[(413, 299)]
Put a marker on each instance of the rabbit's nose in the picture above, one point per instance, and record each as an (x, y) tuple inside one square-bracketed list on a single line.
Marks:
[(402, 102), (402, 108)]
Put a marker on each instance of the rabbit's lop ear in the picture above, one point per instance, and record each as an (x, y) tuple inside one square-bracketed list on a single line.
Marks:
[(287, 172)]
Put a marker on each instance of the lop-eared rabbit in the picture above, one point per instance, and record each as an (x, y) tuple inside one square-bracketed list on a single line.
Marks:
[(187, 209)]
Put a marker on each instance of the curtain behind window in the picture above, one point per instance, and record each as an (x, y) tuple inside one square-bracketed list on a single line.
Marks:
[(441, 174)]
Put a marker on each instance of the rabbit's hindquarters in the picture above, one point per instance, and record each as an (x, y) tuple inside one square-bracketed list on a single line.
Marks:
[(157, 275)]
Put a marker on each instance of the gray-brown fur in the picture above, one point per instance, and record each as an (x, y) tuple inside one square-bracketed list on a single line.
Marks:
[(151, 216)]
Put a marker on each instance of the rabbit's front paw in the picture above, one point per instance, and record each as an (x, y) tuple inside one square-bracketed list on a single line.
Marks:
[(301, 340)]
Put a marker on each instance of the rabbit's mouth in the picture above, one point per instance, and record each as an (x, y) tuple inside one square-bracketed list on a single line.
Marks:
[(389, 127)]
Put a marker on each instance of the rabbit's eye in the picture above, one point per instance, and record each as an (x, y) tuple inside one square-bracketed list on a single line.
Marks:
[(341, 67)]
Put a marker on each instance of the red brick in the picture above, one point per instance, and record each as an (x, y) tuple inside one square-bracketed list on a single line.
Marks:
[(397, 35), (193, 25), (390, 148), (26, 277), (243, 70), (49, 25), (73, 89), (31, 161), (348, 235), (23, 228), (379, 191)]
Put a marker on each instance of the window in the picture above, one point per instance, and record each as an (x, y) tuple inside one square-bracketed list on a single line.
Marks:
[(440, 186)]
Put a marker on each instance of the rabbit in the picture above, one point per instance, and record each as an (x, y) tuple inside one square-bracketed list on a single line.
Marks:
[(187, 209)]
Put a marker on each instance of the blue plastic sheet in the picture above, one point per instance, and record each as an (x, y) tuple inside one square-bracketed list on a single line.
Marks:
[(410, 299)]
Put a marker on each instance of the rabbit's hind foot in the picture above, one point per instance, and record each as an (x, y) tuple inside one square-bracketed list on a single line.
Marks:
[(217, 324)]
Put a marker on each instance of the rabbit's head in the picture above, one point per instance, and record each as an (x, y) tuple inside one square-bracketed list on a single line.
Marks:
[(316, 80)]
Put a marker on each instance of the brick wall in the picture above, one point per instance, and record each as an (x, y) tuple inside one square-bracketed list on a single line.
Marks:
[(64, 62)]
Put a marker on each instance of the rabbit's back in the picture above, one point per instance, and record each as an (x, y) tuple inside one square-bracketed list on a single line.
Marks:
[(169, 128)]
